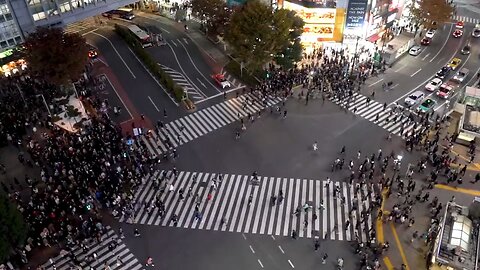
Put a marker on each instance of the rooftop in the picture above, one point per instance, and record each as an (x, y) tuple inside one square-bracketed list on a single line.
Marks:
[(457, 245)]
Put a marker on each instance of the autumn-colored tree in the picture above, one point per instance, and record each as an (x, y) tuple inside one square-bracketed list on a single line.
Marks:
[(257, 34), (56, 56), (430, 13), (214, 13)]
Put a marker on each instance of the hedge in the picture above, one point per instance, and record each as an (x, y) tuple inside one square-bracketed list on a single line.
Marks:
[(165, 79)]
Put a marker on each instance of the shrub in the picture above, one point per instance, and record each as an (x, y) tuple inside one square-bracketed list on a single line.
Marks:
[(164, 79)]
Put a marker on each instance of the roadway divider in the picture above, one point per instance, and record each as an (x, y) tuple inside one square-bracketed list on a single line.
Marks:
[(174, 89)]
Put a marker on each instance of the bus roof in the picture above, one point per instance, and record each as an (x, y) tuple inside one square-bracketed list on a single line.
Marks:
[(138, 32), (125, 9)]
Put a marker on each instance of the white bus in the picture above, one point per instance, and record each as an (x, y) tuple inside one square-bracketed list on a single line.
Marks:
[(124, 13), (141, 35)]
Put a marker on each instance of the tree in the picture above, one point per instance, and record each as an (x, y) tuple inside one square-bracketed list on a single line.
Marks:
[(56, 56), (430, 13), (257, 34), (292, 52), (215, 13), (13, 230)]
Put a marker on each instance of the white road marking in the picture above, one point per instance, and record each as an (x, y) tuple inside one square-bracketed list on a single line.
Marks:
[(153, 103), (153, 77), (281, 249), (441, 59), (273, 237), (244, 237), (372, 84), (123, 103), (115, 49), (201, 82), (426, 56), (173, 42), (291, 264), (400, 68), (195, 66), (415, 73), (444, 43), (185, 40), (251, 248), (260, 262), (394, 86)]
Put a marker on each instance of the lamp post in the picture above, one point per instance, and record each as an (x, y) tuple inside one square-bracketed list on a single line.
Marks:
[(355, 56)]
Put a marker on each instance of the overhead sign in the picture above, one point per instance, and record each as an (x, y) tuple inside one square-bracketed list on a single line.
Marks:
[(356, 14)]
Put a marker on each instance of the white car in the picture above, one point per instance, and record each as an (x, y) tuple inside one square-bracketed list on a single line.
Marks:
[(434, 84), (414, 98), (430, 33), (415, 50)]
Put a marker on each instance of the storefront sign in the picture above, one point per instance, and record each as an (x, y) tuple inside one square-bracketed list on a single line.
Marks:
[(356, 14), (312, 15)]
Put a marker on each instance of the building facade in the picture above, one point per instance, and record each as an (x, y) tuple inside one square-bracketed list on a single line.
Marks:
[(20, 17)]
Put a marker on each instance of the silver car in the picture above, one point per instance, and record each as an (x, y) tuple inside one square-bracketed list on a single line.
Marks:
[(461, 75), (415, 50), (414, 98)]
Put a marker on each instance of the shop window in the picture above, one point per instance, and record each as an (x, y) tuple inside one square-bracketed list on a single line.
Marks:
[(18, 39), (3, 44), (2, 18)]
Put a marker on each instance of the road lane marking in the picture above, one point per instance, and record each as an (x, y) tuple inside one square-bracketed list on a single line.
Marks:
[(388, 263), (154, 78), (281, 249), (426, 56), (244, 237), (445, 43), (399, 245), (291, 264), (121, 100), (115, 49), (458, 189), (372, 84), (251, 248), (153, 103), (394, 86), (400, 68), (415, 73), (195, 66), (185, 40), (201, 82), (173, 42), (260, 262)]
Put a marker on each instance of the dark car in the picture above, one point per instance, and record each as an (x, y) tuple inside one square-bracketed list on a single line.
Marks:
[(425, 41), (442, 73), (465, 50)]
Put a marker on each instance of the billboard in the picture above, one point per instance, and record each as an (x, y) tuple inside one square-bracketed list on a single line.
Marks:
[(312, 15), (357, 9)]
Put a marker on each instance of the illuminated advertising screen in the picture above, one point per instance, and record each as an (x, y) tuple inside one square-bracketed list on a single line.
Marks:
[(312, 15), (357, 9), (315, 3)]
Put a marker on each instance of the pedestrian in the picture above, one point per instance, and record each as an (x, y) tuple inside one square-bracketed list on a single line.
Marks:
[(317, 244), (414, 236), (294, 234), (324, 258), (315, 146)]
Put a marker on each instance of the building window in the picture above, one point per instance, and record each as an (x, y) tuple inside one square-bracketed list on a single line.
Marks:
[(65, 6), (3, 44), (39, 16)]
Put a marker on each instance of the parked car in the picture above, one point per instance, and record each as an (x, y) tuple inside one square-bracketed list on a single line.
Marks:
[(414, 98), (415, 50)]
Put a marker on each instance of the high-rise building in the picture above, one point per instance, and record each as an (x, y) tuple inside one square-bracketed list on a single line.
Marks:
[(20, 17)]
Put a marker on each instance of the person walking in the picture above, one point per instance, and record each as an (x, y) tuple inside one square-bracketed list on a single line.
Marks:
[(324, 258), (316, 244), (315, 146), (294, 234)]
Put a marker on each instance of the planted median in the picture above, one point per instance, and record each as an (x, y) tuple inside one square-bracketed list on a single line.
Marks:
[(164, 79)]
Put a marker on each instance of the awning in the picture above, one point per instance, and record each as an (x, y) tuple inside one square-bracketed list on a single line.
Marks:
[(374, 38)]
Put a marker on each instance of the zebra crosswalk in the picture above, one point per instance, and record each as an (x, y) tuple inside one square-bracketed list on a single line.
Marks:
[(466, 19), (329, 210), (194, 93), (373, 111), (199, 123), (119, 257)]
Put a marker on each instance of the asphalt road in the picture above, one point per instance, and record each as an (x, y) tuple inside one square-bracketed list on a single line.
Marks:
[(148, 97)]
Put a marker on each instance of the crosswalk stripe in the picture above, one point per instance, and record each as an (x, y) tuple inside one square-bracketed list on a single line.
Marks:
[(230, 202), (104, 255)]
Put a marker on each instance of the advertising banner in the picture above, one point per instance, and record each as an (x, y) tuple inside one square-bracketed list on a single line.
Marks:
[(357, 9), (312, 15)]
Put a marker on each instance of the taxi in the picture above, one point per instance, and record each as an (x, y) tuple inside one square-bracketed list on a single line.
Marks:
[(454, 63), (426, 106)]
